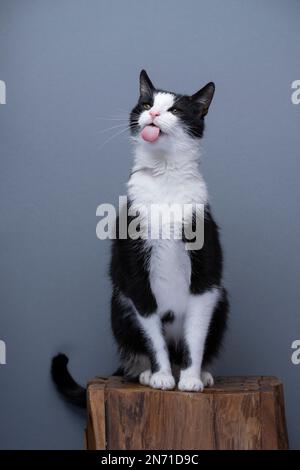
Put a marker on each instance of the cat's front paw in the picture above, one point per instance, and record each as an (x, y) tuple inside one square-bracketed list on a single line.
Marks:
[(207, 378), (145, 377), (162, 380), (190, 384)]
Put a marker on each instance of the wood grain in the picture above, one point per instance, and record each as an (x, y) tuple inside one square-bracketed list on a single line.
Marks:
[(96, 432), (237, 413)]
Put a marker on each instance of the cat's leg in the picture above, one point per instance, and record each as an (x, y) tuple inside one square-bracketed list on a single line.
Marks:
[(198, 317), (142, 346), (161, 375)]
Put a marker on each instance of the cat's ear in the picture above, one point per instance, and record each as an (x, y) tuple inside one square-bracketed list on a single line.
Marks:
[(204, 97), (146, 86)]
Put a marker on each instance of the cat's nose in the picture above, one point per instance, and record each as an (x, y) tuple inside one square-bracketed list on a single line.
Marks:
[(154, 113)]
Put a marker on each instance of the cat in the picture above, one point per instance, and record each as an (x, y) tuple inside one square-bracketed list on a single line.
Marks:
[(169, 308)]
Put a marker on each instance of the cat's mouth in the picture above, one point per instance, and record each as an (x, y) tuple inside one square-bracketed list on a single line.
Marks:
[(151, 133)]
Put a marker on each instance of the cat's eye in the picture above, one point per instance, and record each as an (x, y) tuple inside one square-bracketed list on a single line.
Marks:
[(174, 110), (146, 106)]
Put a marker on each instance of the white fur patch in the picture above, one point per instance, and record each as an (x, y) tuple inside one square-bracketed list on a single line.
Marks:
[(170, 275), (168, 178), (163, 101), (207, 378), (145, 377), (198, 317), (170, 266)]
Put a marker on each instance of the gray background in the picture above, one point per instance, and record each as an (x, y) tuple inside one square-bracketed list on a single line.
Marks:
[(67, 64)]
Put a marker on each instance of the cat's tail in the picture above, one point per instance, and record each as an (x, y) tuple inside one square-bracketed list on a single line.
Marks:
[(66, 385), (64, 382)]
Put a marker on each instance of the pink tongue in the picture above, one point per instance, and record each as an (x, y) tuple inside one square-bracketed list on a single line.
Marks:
[(150, 133)]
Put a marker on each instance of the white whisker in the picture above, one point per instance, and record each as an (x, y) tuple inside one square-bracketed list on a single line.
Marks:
[(113, 127), (113, 136)]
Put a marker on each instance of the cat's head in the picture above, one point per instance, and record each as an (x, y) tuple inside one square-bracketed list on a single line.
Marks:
[(162, 119)]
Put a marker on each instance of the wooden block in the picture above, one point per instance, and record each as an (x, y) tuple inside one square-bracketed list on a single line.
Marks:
[(237, 413)]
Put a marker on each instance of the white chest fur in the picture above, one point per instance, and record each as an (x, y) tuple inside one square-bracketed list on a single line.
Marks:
[(170, 267)]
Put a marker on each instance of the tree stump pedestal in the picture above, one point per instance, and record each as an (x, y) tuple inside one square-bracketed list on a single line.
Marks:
[(236, 413)]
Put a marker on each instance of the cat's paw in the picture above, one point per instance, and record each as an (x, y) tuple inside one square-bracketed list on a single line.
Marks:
[(190, 384), (145, 377), (207, 379), (162, 380)]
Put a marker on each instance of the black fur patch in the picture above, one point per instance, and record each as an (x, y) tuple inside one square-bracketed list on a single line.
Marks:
[(168, 317), (207, 263)]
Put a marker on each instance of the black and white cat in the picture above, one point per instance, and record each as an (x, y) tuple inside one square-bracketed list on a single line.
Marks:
[(169, 308)]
